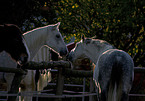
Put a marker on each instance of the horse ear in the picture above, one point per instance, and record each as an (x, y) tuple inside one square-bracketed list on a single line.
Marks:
[(56, 26), (83, 38), (94, 37)]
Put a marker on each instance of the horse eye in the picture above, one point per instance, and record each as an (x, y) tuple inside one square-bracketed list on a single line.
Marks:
[(58, 36)]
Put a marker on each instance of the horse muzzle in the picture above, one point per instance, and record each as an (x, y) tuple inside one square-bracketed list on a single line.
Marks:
[(63, 52), (70, 56)]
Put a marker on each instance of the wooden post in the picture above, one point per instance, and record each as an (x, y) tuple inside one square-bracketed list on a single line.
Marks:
[(84, 84), (91, 98), (15, 85), (60, 84)]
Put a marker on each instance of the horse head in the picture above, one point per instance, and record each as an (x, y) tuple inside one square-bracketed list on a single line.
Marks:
[(88, 48), (55, 40), (78, 56), (13, 43), (79, 52)]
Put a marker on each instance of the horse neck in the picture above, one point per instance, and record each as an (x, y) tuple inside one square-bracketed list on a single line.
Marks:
[(95, 55), (35, 39)]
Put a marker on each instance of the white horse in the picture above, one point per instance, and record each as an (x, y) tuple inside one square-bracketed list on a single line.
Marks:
[(114, 71), (44, 55), (35, 39)]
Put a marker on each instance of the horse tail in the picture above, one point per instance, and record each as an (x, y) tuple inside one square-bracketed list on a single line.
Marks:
[(115, 85), (114, 92)]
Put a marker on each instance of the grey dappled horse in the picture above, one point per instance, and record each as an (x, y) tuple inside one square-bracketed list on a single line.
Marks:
[(114, 71)]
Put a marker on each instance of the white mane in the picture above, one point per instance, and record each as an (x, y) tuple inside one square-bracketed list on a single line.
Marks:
[(91, 48), (99, 47), (38, 39), (32, 42)]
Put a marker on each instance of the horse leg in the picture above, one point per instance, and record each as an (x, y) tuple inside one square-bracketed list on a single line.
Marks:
[(101, 91), (103, 96), (104, 84), (126, 87), (28, 85), (125, 91), (124, 96)]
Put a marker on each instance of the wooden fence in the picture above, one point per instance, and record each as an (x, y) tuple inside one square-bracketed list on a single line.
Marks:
[(63, 70)]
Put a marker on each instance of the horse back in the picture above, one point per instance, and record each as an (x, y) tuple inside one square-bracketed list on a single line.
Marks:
[(116, 61), (114, 69)]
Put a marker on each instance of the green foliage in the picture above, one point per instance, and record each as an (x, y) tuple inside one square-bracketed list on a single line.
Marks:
[(120, 22)]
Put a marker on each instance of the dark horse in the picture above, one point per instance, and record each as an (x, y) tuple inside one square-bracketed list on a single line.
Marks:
[(11, 41)]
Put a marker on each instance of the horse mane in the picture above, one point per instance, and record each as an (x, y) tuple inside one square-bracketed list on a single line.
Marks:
[(96, 41), (33, 30), (9, 31), (14, 28), (37, 35), (10, 25), (39, 28)]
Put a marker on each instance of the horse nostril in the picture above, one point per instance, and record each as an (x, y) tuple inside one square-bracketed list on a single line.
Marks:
[(66, 52), (69, 57), (61, 53)]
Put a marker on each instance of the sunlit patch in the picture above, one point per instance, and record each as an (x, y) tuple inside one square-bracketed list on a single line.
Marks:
[(98, 86)]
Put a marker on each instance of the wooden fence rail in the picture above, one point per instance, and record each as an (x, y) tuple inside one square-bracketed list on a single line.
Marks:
[(13, 70), (64, 69), (66, 65)]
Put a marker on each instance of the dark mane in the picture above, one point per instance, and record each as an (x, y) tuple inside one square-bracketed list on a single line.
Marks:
[(13, 28), (9, 31), (10, 28)]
